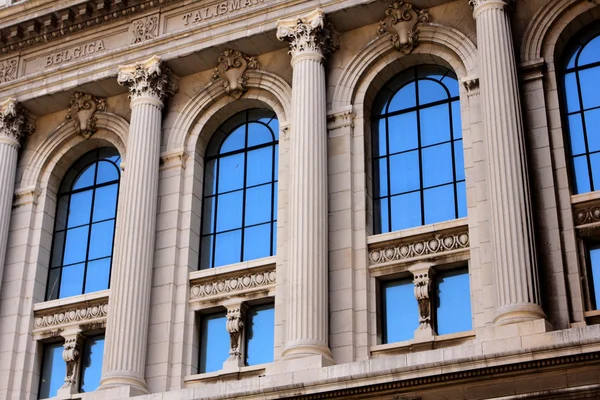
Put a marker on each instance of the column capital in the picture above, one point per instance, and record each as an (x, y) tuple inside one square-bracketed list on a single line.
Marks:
[(14, 121), (149, 78), (310, 33), (480, 5)]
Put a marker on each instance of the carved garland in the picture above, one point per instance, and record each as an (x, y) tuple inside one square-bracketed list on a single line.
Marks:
[(587, 214), (232, 69), (429, 246), (80, 313), (201, 290), (401, 22)]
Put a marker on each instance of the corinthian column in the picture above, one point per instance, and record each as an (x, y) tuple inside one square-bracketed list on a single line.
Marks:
[(127, 325), (12, 129), (307, 319), (515, 266)]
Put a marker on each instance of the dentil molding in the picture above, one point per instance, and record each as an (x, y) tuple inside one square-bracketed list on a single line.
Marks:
[(82, 112), (149, 78), (401, 22), (232, 69), (311, 33)]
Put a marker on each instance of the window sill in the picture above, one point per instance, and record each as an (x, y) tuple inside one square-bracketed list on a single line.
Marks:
[(592, 317), (231, 374), (417, 231), (67, 301), (436, 342), (585, 197)]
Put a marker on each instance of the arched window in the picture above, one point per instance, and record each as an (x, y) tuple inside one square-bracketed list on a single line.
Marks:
[(84, 228), (418, 168), (582, 94), (239, 215)]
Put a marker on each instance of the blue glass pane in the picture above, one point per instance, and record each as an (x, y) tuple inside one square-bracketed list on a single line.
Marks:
[(401, 311), (260, 335), (229, 211), (206, 252), (274, 125), (437, 165), (274, 237), (595, 161), (452, 85), (86, 178), (62, 213), (214, 342), (260, 166), (91, 359), (257, 242), (572, 93), (210, 177), (54, 370), (379, 139), (382, 221), (459, 160), (405, 172), (435, 124), (406, 211), (231, 173), (258, 205), (228, 248), (403, 132), (105, 202), (456, 120), (454, 302), (76, 246), (430, 92), (71, 283), (97, 275), (235, 141), (53, 282), (590, 94), (576, 135), (581, 175), (571, 63), (461, 194), (101, 240), (439, 204), (590, 53), (381, 177), (275, 200), (595, 269), (57, 249), (208, 215), (592, 125), (107, 172), (258, 134), (404, 98), (80, 208)]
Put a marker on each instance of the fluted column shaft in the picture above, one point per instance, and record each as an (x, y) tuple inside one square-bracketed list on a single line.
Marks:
[(12, 121), (307, 318), (515, 265), (129, 306)]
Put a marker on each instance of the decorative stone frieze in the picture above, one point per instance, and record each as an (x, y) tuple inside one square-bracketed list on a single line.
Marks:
[(202, 290), (235, 326), (401, 22), (308, 34), (8, 70), (435, 245), (82, 112), (149, 78), (144, 29), (587, 213), (231, 71), (75, 314)]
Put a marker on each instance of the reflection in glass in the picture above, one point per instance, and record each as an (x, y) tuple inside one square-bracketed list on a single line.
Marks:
[(54, 370), (418, 160), (582, 104), (453, 302), (83, 237), (260, 328), (91, 363), (240, 191), (214, 342), (400, 310)]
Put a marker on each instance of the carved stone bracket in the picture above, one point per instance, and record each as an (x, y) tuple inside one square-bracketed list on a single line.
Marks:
[(471, 83), (8, 70), (14, 121), (311, 33), (401, 22), (236, 315), (71, 355), (232, 69), (82, 111), (422, 279), (149, 78), (144, 29)]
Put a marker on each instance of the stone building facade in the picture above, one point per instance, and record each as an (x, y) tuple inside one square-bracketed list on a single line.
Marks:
[(157, 89)]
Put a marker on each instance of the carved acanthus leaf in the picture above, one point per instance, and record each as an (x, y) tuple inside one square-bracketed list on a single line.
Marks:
[(149, 78), (232, 69), (82, 111), (401, 22), (8, 70), (311, 33), (14, 120)]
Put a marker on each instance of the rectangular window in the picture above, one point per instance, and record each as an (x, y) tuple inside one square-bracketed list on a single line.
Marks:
[(594, 276), (91, 363), (54, 370), (400, 310), (214, 342), (453, 301), (260, 326)]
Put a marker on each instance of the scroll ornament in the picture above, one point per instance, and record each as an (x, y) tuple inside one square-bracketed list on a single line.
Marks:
[(232, 70), (235, 327), (401, 22), (82, 112)]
